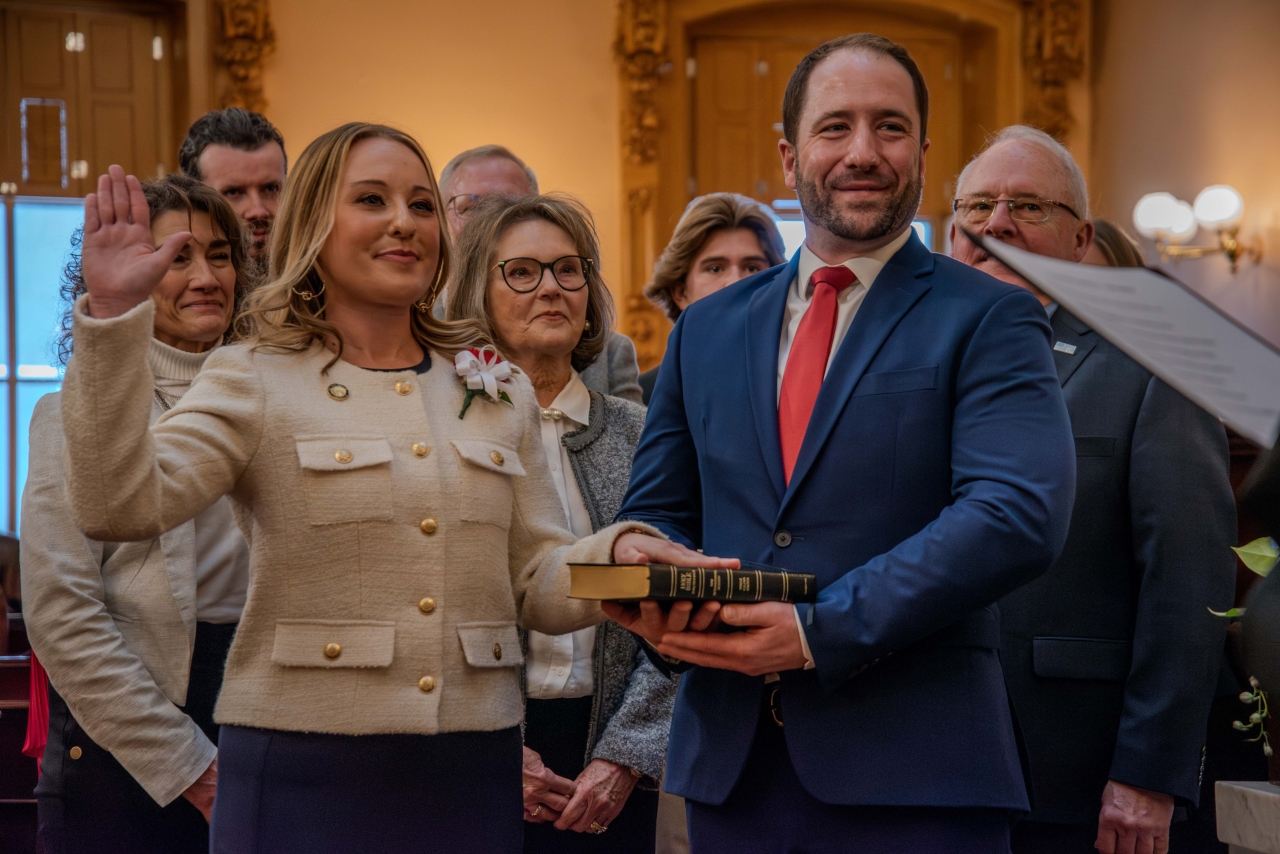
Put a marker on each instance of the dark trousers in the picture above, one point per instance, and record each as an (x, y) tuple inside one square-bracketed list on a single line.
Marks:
[(92, 804), (308, 793), (1040, 837), (770, 812), (557, 731)]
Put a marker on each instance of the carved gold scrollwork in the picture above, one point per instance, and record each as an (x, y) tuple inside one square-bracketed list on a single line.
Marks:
[(641, 50), (245, 38), (642, 320), (1054, 55)]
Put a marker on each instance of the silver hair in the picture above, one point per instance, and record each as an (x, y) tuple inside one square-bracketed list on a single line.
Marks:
[(446, 174), (1024, 133)]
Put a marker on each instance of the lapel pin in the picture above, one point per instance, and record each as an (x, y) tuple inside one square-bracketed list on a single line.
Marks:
[(338, 392), (1063, 347)]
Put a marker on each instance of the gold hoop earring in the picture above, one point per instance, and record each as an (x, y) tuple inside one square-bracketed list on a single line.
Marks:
[(423, 306), (306, 294)]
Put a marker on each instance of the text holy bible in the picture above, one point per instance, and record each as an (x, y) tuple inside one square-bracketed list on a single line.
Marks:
[(751, 583)]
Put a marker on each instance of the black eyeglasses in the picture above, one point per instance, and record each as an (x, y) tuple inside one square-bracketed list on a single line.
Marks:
[(976, 210), (523, 275)]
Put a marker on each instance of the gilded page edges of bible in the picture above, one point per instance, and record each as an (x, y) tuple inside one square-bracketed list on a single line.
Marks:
[(667, 582)]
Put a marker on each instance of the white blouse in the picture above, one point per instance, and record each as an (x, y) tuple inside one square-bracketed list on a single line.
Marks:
[(560, 666)]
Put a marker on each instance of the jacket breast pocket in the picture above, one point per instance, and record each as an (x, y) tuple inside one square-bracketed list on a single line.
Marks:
[(346, 478), (486, 494), (897, 382), (1081, 658), (490, 644), (334, 643)]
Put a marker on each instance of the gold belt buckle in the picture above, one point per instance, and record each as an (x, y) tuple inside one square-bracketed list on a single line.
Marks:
[(774, 709)]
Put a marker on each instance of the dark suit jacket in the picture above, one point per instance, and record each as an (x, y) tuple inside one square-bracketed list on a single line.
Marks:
[(936, 476), (1111, 657), (647, 379)]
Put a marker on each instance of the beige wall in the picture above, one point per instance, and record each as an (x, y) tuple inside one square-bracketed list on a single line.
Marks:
[(1186, 93), (537, 77)]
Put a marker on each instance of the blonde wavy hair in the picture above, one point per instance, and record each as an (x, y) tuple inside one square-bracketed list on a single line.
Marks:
[(279, 314), (477, 247), (703, 217)]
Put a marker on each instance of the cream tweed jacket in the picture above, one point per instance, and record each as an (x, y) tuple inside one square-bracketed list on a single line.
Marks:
[(394, 547)]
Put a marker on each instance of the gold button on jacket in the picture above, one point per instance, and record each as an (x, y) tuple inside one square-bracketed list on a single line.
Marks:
[(428, 526), (427, 605), (420, 449), (497, 652), (76, 752), (344, 456), (404, 387), (497, 457), (332, 651), (427, 684)]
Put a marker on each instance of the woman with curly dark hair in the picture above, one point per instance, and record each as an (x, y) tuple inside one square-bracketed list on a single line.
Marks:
[(134, 635)]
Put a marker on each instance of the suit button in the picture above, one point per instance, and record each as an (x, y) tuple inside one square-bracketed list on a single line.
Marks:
[(782, 539), (76, 753), (426, 684), (420, 449), (497, 457), (332, 650), (497, 652), (403, 387), (344, 456), (427, 605), (428, 526)]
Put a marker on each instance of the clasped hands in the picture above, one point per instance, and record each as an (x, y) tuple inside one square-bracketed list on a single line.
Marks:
[(769, 640), (594, 799)]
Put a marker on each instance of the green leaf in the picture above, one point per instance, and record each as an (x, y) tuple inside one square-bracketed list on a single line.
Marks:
[(1233, 612), (466, 402), (1260, 555), (502, 395)]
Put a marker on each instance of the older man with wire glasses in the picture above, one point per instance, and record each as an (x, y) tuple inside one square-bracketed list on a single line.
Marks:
[(1111, 657), (496, 170)]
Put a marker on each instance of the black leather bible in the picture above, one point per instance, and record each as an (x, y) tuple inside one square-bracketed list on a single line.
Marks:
[(752, 583)]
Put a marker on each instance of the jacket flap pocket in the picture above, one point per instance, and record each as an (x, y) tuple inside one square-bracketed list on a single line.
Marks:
[(1081, 658), (490, 644), (489, 455), (342, 453), (334, 643), (893, 382), (1095, 446)]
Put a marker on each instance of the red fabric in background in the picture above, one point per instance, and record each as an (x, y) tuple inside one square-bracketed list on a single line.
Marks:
[(37, 714)]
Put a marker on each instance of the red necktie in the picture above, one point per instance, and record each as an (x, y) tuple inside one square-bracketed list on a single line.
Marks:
[(807, 361)]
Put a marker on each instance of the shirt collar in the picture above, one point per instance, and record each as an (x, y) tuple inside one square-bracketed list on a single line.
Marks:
[(865, 267), (574, 400)]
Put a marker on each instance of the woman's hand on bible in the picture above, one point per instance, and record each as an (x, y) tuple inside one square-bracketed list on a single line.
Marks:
[(545, 793), (201, 792), (120, 262), (650, 619), (602, 790)]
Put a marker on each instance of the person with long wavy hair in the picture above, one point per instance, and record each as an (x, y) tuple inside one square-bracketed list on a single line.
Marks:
[(388, 472)]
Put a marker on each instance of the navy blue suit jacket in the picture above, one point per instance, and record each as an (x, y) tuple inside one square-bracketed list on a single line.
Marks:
[(936, 475)]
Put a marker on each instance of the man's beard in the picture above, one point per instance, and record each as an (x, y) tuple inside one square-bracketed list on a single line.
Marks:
[(888, 216)]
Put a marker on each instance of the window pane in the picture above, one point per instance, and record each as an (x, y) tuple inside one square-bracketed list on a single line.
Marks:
[(4, 459), (42, 243), (28, 394), (4, 304)]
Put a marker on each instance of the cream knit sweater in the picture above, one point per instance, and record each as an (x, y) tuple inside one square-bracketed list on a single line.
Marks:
[(394, 547)]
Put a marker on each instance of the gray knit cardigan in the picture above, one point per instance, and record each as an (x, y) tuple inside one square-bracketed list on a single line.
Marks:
[(631, 708)]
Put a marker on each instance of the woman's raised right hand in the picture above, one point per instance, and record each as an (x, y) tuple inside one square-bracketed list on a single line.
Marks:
[(120, 264)]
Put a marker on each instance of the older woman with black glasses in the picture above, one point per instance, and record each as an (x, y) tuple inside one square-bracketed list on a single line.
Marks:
[(597, 712)]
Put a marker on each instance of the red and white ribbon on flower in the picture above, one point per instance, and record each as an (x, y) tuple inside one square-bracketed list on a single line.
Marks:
[(482, 370)]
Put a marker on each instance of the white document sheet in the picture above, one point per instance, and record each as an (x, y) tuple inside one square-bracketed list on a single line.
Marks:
[(1169, 330)]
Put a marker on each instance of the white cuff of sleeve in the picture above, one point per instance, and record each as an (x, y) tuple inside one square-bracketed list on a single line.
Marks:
[(804, 642)]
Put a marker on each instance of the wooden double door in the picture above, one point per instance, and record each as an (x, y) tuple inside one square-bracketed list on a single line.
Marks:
[(84, 87)]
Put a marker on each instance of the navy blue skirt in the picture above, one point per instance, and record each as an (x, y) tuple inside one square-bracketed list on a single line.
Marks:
[(307, 793)]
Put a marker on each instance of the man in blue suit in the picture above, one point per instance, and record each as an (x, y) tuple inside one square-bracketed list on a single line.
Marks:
[(891, 421)]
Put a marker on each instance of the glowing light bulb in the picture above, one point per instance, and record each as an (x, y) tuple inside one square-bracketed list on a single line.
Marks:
[(1154, 214), (1184, 225), (1219, 207)]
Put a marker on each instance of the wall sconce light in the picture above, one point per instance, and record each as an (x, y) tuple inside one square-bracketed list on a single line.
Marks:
[(1172, 223)]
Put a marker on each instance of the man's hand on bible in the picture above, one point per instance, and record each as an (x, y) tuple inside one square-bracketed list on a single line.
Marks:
[(769, 644), (650, 619), (1133, 820)]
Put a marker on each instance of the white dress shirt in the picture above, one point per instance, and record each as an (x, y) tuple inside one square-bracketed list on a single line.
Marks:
[(866, 268), (564, 665)]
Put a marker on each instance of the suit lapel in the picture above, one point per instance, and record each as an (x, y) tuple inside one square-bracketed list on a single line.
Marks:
[(1073, 340), (898, 287), (764, 334)]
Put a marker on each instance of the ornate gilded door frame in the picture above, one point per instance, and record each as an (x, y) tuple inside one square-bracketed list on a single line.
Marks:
[(1039, 50)]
